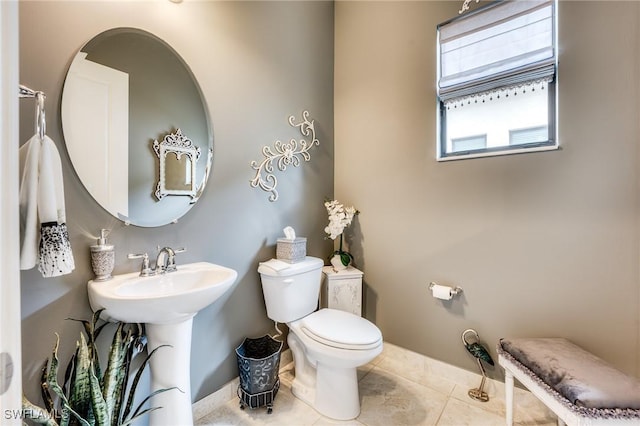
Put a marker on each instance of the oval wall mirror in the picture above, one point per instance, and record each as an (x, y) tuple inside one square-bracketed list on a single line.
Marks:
[(125, 90)]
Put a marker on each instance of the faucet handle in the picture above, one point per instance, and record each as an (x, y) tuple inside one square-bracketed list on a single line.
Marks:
[(145, 269)]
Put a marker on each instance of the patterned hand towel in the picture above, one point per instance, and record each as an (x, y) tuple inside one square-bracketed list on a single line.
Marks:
[(45, 239)]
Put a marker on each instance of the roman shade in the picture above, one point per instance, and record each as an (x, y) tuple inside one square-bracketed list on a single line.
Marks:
[(504, 45)]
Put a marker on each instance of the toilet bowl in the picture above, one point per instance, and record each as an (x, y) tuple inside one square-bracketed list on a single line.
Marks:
[(328, 345)]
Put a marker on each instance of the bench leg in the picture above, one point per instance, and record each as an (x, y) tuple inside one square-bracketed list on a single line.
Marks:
[(508, 396)]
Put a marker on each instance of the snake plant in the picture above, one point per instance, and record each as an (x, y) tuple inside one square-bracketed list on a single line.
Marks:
[(87, 396)]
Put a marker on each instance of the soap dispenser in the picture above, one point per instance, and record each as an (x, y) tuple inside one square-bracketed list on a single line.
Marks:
[(102, 257)]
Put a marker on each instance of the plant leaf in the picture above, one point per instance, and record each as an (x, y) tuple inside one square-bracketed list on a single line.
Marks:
[(69, 373), (142, 413), (134, 384), (121, 390), (44, 388), (92, 333), (99, 329), (37, 414), (114, 374), (137, 412), (52, 379), (80, 388), (82, 421), (98, 403), (93, 350)]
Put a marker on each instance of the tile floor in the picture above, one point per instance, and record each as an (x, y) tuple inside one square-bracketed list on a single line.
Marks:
[(398, 388)]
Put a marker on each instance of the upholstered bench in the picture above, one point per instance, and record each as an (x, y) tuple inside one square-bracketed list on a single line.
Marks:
[(580, 388)]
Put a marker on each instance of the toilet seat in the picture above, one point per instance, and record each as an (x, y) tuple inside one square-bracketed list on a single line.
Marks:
[(341, 330)]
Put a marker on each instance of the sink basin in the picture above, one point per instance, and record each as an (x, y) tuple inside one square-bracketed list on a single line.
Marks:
[(161, 299), (166, 303)]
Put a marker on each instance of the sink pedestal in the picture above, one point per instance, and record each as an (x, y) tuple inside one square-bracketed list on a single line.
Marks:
[(166, 303), (170, 366)]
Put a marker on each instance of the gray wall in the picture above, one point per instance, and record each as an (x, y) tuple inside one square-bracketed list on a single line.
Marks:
[(543, 244), (256, 63)]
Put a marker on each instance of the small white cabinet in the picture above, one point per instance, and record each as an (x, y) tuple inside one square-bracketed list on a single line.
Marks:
[(342, 289)]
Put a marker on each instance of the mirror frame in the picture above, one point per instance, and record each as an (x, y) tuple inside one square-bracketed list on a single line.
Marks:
[(180, 145)]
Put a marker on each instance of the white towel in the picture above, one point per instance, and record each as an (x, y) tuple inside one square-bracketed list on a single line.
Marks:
[(276, 265), (29, 230), (43, 230)]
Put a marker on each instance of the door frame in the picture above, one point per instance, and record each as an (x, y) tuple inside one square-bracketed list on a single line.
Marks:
[(10, 319)]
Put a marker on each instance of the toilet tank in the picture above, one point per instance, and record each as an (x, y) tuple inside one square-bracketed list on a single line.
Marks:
[(291, 290)]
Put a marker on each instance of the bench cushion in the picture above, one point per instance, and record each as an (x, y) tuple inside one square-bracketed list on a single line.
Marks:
[(576, 374)]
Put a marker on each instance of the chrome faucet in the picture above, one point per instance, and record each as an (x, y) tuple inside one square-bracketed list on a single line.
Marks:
[(166, 260)]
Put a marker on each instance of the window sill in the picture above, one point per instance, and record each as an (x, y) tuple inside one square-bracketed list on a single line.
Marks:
[(454, 157)]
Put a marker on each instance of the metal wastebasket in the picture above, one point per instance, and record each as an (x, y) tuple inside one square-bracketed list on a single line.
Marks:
[(258, 365)]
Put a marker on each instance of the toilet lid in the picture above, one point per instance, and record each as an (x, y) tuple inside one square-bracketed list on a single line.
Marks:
[(341, 330)]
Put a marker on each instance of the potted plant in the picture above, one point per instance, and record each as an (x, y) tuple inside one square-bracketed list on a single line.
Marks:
[(89, 395), (339, 218)]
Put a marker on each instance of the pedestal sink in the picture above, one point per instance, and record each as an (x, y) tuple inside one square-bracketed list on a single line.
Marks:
[(166, 303)]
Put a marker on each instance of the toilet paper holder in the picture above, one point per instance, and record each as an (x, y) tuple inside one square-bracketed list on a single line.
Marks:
[(454, 290)]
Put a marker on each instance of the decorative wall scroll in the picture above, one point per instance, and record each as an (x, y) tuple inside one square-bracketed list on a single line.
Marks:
[(284, 154), (465, 6)]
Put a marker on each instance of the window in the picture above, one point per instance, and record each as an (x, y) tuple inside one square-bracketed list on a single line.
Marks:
[(527, 136), (469, 143), (497, 78)]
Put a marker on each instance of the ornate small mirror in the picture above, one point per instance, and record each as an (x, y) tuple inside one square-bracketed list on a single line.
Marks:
[(126, 89), (178, 157)]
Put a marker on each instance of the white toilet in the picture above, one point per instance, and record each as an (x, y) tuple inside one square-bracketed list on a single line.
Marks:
[(327, 345)]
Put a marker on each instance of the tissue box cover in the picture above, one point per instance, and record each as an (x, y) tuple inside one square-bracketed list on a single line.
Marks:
[(291, 251)]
